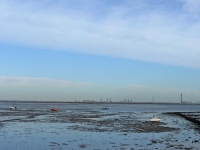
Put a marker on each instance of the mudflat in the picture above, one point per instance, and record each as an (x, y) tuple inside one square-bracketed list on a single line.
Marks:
[(95, 129)]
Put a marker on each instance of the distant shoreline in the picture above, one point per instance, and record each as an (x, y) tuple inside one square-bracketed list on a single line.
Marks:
[(97, 102)]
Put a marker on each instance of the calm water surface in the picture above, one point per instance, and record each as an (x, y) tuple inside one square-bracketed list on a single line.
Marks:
[(112, 107)]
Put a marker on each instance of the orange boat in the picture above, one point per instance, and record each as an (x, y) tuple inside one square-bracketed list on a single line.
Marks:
[(54, 109)]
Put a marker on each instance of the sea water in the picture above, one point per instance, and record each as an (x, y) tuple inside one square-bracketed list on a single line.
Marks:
[(112, 107)]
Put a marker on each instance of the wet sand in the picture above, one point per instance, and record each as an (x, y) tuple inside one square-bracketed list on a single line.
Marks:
[(95, 130)]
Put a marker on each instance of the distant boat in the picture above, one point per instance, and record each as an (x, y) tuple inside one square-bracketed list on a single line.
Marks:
[(105, 108), (54, 109), (13, 107), (154, 119)]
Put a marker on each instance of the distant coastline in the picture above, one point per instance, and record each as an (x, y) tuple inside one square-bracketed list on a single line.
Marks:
[(98, 102)]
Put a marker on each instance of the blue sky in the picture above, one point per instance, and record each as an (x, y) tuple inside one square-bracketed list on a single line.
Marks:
[(74, 50)]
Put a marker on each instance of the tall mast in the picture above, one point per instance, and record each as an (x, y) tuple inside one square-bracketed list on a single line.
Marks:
[(153, 107)]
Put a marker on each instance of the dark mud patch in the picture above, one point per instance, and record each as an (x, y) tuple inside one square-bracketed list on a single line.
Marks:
[(82, 146)]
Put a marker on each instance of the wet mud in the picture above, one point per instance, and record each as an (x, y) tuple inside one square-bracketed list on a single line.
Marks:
[(191, 116), (98, 129)]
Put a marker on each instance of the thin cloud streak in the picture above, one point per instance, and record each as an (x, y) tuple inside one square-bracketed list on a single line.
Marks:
[(43, 89), (40, 82), (191, 5)]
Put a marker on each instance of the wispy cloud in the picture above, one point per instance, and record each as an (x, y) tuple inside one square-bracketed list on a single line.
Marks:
[(133, 29), (191, 5), (23, 88), (40, 82)]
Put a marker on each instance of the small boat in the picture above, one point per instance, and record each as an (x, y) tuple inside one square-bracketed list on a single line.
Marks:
[(154, 119), (54, 109), (13, 107)]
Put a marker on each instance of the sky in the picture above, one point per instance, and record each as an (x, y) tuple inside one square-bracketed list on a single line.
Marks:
[(68, 50)]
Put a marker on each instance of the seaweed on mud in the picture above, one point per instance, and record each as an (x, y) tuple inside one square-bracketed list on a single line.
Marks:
[(82, 146)]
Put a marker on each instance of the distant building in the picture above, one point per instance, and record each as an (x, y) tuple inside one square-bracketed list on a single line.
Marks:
[(184, 102), (181, 99)]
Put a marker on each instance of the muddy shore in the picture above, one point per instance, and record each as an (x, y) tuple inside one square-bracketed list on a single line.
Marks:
[(191, 116), (97, 129)]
